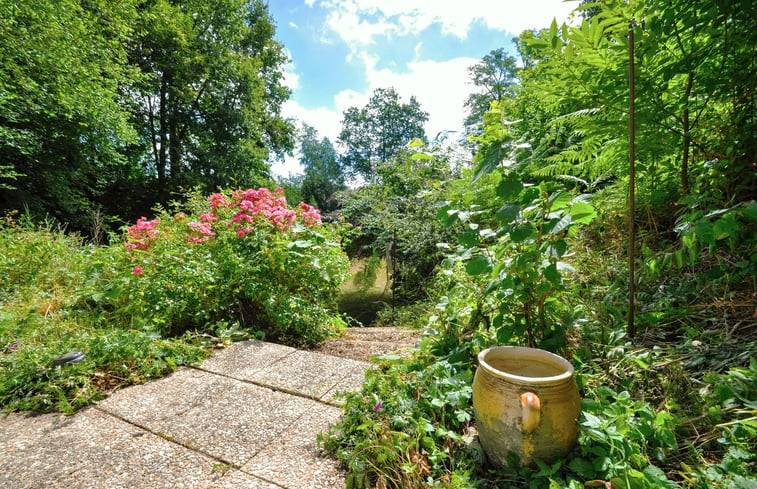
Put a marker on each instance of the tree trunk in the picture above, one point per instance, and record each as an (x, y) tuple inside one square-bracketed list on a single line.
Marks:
[(686, 138), (161, 163)]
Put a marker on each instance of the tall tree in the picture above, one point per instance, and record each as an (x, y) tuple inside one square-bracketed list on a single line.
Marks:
[(494, 77), (209, 106), (323, 174), (376, 132), (61, 126)]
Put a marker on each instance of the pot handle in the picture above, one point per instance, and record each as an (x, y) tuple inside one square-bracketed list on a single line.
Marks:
[(531, 411)]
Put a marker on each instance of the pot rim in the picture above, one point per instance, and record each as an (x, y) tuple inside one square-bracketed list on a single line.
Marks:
[(533, 353)]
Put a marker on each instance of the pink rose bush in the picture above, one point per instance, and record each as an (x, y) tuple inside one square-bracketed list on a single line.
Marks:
[(142, 235), (241, 257)]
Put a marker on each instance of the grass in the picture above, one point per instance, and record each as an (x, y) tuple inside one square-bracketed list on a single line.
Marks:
[(47, 309)]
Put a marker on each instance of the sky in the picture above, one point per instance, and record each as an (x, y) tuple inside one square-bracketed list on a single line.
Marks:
[(340, 51)]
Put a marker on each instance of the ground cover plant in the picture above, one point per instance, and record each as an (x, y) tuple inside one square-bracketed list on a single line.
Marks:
[(233, 265)]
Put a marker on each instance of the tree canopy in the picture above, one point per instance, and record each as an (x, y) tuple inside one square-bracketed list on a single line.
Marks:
[(323, 174), (135, 98), (494, 77), (377, 131), (62, 128)]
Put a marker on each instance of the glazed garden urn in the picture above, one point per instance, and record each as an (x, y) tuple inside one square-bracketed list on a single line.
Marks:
[(526, 405)]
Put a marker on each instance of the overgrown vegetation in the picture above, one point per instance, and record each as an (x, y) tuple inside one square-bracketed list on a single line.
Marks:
[(232, 266), (540, 259), (526, 245)]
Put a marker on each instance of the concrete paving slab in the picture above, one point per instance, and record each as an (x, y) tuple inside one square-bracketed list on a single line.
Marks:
[(307, 373), (242, 359), (294, 460), (95, 450), (235, 479), (351, 383), (193, 429), (218, 416)]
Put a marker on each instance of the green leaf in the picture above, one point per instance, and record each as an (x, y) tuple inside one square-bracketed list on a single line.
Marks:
[(582, 213), (492, 156), (509, 187), (478, 265), (556, 226), (582, 468), (521, 233), (556, 248), (705, 233), (551, 274), (508, 213), (726, 227), (559, 200), (750, 211), (469, 239), (421, 156)]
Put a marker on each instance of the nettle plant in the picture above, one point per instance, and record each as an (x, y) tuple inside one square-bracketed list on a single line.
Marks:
[(241, 258), (520, 256)]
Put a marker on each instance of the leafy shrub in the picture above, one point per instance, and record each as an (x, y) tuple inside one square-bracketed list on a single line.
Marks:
[(240, 264), (241, 256), (46, 275)]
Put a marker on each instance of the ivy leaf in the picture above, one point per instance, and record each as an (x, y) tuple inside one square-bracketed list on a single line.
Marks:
[(478, 265)]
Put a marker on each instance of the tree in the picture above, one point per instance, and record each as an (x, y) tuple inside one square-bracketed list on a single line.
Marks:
[(396, 216), (493, 76), (208, 108), (61, 126), (323, 174), (376, 132)]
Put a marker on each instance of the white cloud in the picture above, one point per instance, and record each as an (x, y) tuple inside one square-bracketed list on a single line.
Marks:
[(327, 121), (293, 25), (291, 78), (360, 21), (440, 87)]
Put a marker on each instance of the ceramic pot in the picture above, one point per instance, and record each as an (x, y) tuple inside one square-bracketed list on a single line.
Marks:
[(526, 404)]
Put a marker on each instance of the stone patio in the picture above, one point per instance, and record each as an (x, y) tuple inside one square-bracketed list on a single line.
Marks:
[(248, 417)]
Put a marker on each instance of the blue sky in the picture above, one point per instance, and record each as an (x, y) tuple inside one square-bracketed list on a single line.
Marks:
[(342, 50)]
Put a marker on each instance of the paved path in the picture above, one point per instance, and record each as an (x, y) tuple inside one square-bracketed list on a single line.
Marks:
[(247, 418)]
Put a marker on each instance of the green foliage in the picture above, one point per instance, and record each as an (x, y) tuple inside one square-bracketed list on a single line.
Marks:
[(141, 307), (323, 174), (46, 311), (61, 125), (207, 107), (135, 98), (377, 132), (402, 429), (225, 261), (675, 409), (395, 219), (494, 77)]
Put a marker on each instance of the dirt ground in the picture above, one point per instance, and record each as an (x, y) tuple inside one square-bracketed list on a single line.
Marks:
[(364, 343)]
